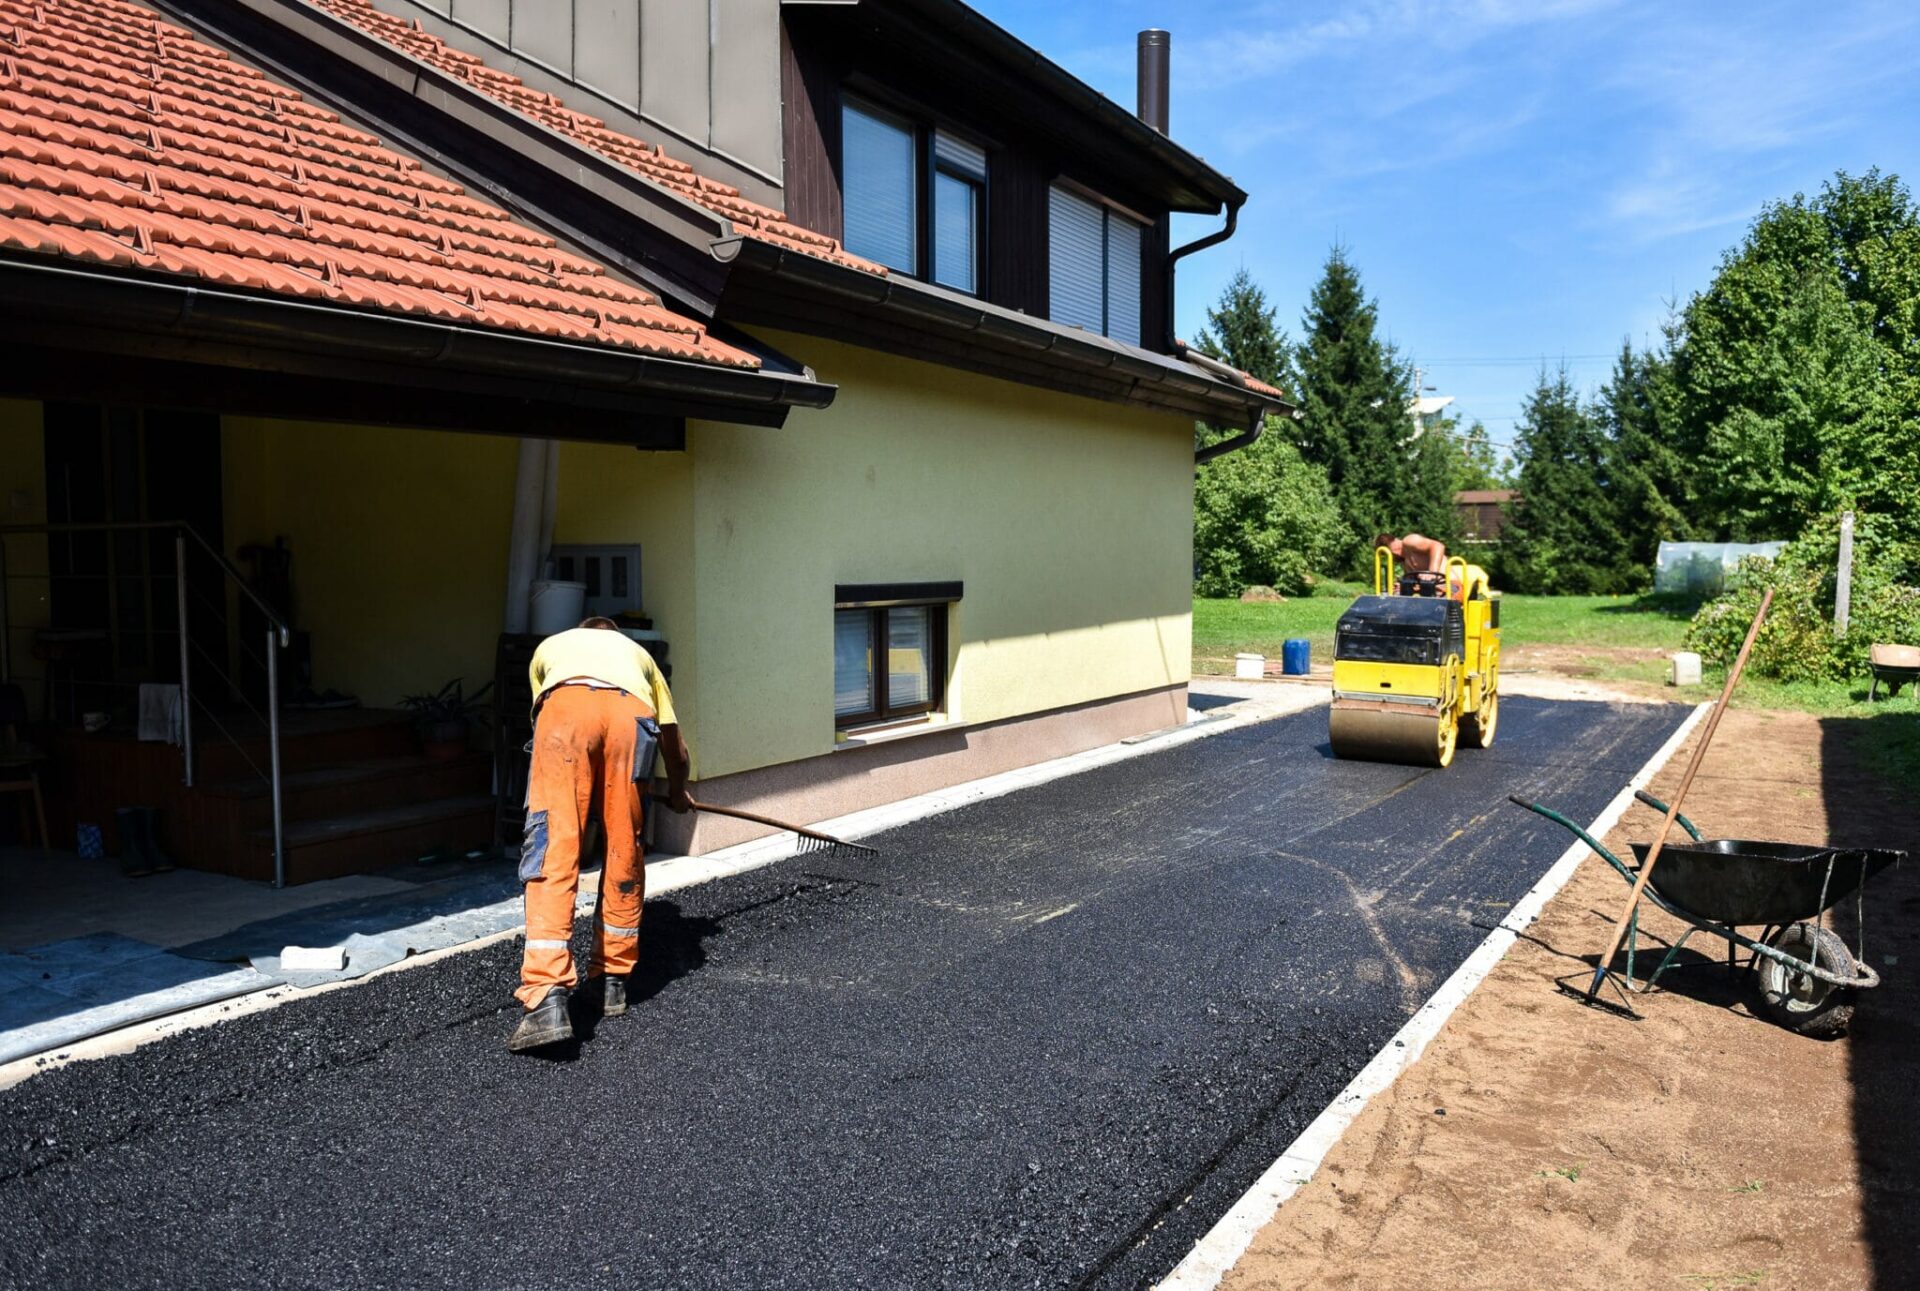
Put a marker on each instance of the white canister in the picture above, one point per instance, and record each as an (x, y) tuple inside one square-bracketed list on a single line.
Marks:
[(1249, 667), (1684, 670), (556, 606)]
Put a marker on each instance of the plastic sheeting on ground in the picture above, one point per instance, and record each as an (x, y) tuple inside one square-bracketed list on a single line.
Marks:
[(66, 991), (376, 930)]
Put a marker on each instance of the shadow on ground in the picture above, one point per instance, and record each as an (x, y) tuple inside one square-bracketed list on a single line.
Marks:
[(1870, 802), (672, 945)]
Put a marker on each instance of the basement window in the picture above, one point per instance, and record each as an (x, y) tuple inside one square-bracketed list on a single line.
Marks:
[(889, 651)]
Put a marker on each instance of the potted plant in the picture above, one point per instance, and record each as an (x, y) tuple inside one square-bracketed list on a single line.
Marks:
[(444, 719)]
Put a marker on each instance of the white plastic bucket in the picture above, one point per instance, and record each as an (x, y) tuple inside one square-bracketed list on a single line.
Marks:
[(557, 606), (1249, 667)]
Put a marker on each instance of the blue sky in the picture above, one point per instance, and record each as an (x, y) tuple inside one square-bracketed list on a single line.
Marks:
[(1517, 180)]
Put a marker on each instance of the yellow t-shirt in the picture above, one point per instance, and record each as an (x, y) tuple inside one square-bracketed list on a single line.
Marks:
[(605, 657)]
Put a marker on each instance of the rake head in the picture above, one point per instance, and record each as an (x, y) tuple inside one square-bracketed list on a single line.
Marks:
[(1576, 986), (838, 848)]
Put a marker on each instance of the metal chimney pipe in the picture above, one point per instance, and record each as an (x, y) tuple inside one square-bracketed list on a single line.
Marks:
[(1151, 83)]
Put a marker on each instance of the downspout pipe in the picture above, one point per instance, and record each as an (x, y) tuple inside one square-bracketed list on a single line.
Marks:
[(523, 550), (1204, 455), (1212, 239)]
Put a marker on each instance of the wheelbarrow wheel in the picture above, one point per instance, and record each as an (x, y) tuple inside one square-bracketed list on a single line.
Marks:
[(1799, 1001)]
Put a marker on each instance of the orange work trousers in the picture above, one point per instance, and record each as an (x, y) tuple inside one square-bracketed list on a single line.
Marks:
[(590, 745)]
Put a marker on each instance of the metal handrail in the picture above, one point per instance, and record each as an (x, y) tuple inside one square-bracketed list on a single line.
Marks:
[(219, 557), (279, 635)]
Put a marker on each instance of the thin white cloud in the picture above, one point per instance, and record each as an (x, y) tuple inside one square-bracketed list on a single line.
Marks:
[(1725, 99)]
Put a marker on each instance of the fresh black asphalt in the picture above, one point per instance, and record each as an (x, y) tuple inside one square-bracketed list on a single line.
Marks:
[(1044, 1040)]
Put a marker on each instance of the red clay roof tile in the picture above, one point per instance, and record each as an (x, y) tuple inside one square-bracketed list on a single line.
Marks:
[(125, 141), (645, 159)]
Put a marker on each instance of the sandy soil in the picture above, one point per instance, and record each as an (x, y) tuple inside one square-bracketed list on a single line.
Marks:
[(1538, 1143)]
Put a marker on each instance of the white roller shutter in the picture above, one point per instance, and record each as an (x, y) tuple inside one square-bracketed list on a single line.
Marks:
[(1123, 278), (1076, 255), (879, 189)]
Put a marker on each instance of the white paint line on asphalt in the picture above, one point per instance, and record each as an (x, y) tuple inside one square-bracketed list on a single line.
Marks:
[(672, 874), (1228, 1240)]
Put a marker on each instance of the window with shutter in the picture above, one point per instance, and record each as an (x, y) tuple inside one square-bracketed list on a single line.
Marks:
[(1123, 279), (959, 212), (889, 651), (1076, 259), (879, 187), (1094, 269)]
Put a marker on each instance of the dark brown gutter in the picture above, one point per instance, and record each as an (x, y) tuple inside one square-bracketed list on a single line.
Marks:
[(261, 331), (942, 318)]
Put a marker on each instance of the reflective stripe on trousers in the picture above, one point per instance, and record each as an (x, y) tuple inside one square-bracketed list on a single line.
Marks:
[(586, 745)]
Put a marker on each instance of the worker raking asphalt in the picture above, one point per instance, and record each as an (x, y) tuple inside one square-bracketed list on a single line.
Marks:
[(1044, 1040)]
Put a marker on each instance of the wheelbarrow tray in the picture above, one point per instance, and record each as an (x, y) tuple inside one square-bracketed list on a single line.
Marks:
[(1735, 881)]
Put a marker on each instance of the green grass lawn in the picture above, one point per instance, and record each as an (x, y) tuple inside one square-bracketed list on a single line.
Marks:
[(1222, 628)]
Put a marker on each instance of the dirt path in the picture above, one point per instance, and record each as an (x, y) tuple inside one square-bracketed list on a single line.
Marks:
[(1540, 1144)]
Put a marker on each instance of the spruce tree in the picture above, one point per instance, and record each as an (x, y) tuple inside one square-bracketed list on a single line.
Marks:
[(1650, 472), (1563, 536), (1354, 392), (1261, 514), (1241, 330)]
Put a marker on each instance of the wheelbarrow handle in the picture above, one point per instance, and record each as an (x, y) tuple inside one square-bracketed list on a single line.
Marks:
[(1619, 866), (1647, 799)]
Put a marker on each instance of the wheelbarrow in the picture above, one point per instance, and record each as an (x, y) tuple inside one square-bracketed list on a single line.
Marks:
[(1896, 665), (1807, 977)]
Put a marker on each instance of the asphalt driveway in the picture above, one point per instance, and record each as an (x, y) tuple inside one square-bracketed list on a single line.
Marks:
[(1044, 1040)]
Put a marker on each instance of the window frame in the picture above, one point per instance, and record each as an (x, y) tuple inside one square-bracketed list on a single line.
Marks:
[(876, 601), (1110, 210), (928, 164)]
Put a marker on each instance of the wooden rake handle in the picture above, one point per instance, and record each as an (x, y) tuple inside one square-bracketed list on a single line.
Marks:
[(1673, 811), (768, 821)]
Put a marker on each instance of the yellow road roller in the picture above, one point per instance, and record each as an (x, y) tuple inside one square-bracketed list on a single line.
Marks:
[(1416, 666)]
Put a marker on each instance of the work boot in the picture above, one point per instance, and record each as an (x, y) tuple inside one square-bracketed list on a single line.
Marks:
[(544, 1024), (149, 826), (135, 863), (608, 994)]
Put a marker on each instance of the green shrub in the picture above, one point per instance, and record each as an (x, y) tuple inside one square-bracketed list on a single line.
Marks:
[(1262, 516), (1798, 642)]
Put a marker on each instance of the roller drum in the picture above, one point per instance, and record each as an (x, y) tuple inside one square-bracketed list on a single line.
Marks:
[(1399, 733)]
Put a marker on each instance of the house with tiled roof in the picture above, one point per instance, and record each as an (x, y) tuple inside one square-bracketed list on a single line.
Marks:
[(830, 343)]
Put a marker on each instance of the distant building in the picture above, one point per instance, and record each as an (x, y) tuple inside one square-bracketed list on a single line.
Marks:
[(1483, 512), (1427, 412)]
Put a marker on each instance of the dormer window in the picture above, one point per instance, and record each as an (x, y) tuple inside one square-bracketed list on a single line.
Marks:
[(1093, 265), (914, 197)]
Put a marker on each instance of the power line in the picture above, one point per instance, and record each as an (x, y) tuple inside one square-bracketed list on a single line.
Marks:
[(1521, 358)]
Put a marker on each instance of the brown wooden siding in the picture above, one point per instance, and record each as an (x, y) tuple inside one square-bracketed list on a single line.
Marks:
[(1017, 231), (810, 103)]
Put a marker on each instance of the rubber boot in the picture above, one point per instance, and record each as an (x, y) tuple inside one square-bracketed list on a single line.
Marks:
[(544, 1024), (607, 993), (150, 834), (135, 863)]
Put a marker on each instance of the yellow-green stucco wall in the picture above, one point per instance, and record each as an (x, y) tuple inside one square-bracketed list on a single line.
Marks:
[(1069, 522), (400, 539)]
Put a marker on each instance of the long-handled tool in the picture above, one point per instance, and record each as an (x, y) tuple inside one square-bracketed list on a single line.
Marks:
[(1686, 782), (812, 841)]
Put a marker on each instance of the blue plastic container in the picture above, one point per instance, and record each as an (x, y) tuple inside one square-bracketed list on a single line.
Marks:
[(1296, 659)]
